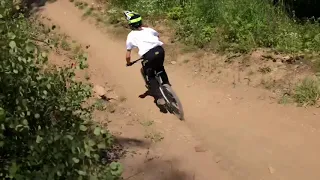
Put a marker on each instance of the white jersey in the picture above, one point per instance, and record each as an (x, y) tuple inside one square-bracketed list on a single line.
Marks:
[(144, 40)]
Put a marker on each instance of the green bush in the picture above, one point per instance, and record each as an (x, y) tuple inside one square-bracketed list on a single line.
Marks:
[(46, 128), (237, 25), (175, 13), (148, 7), (308, 92)]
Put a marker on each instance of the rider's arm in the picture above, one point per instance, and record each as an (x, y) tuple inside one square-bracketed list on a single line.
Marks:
[(128, 56), (129, 46), (154, 32)]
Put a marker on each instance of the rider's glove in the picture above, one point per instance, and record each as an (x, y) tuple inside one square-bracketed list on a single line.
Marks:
[(129, 64)]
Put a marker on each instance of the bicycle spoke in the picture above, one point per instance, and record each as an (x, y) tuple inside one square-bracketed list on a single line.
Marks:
[(173, 103)]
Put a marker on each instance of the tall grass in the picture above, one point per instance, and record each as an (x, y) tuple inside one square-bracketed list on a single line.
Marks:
[(237, 25), (308, 92)]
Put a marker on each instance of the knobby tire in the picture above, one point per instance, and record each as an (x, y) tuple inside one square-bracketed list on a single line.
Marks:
[(167, 88)]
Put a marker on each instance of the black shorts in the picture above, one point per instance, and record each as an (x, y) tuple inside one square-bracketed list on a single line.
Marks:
[(153, 60)]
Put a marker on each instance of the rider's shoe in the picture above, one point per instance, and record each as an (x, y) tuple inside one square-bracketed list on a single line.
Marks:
[(161, 101)]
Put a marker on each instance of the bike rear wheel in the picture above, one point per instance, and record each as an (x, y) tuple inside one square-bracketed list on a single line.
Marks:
[(172, 100)]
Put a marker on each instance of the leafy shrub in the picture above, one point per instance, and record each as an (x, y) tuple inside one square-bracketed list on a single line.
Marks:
[(46, 128), (148, 7), (308, 92), (115, 16), (237, 25), (175, 13)]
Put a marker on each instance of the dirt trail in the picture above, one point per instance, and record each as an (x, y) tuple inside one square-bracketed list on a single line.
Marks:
[(245, 138)]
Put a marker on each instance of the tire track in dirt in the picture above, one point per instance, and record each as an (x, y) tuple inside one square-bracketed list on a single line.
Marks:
[(247, 137)]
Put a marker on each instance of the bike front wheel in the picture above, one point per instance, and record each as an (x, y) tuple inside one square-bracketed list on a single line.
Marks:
[(172, 101)]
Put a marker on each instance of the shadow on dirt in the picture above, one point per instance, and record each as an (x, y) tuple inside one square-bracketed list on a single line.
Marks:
[(158, 169), (30, 7), (119, 148), (35, 3), (144, 163), (131, 142)]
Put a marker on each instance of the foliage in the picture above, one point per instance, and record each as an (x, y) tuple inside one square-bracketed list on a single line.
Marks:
[(308, 92), (175, 13), (236, 25), (46, 128)]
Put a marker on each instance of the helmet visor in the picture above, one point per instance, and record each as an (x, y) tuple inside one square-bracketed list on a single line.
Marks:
[(131, 21)]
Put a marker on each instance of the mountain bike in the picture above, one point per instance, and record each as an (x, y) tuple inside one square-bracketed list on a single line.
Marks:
[(173, 103)]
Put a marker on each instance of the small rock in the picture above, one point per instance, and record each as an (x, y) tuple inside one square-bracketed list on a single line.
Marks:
[(217, 159), (271, 170), (99, 90), (267, 56), (286, 58), (296, 66), (173, 62), (200, 149)]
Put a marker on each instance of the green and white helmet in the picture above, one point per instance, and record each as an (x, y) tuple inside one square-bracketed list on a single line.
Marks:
[(134, 19)]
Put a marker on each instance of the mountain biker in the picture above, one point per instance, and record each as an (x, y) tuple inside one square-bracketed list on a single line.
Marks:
[(150, 49)]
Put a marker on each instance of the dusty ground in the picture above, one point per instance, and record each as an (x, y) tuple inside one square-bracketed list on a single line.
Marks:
[(229, 133)]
